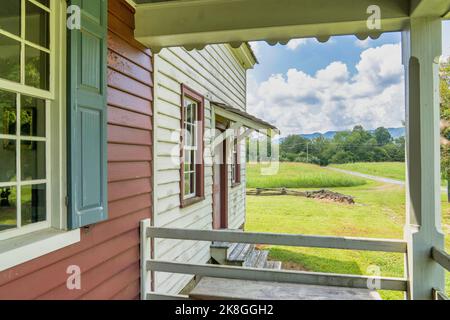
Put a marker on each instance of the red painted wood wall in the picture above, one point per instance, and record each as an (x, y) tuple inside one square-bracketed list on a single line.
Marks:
[(108, 253)]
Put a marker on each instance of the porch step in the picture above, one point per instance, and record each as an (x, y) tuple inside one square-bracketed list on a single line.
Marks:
[(241, 252), (257, 259), (221, 251)]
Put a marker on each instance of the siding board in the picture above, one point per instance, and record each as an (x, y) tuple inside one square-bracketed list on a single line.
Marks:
[(215, 73), (108, 252)]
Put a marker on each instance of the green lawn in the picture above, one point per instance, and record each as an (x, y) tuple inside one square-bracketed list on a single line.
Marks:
[(393, 170), (379, 212), (299, 175)]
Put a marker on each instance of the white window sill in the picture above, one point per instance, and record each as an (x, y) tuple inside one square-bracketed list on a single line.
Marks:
[(21, 249)]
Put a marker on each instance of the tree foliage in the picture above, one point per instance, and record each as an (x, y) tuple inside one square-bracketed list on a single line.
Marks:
[(358, 145), (445, 120)]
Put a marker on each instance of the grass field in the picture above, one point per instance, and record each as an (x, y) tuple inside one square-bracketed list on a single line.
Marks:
[(393, 170), (298, 175), (379, 212)]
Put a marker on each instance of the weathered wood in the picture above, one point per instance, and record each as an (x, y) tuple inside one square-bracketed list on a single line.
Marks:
[(346, 243), (225, 289), (313, 278), (441, 257), (161, 296)]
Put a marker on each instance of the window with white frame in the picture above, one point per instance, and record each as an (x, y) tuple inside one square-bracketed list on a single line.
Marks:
[(26, 104)]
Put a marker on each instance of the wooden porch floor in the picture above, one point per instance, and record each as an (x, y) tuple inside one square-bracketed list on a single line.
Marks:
[(230, 289)]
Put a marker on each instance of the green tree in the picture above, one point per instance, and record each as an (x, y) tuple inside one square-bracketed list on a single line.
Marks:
[(382, 136), (445, 122)]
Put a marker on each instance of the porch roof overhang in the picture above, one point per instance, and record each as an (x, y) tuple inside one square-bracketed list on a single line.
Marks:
[(196, 23), (242, 117)]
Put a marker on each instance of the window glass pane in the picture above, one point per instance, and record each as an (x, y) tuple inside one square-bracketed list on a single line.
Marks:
[(32, 117), (187, 184), (188, 115), (193, 160), (187, 161), (37, 68), (8, 113), (9, 59), (33, 199), (7, 160), (44, 2), (192, 180), (10, 16), (8, 208), (37, 25), (32, 162)]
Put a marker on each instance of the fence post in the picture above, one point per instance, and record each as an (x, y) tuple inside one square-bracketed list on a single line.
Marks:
[(145, 249)]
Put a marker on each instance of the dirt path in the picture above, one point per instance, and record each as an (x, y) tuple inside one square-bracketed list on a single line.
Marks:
[(375, 178)]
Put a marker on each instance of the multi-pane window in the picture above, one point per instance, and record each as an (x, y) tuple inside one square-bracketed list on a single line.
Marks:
[(192, 166), (24, 137), (190, 147)]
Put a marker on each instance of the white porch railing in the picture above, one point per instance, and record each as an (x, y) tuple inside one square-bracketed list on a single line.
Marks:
[(231, 272), (443, 259)]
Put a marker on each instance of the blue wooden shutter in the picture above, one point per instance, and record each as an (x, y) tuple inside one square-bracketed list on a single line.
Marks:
[(87, 116)]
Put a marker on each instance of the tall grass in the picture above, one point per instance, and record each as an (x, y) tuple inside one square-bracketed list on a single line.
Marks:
[(299, 175)]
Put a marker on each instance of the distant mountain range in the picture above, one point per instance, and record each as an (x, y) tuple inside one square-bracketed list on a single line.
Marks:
[(395, 133)]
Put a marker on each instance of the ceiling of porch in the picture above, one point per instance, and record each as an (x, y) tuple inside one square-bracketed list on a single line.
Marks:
[(195, 23)]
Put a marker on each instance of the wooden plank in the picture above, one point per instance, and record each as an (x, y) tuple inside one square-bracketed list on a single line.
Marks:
[(441, 257), (114, 284), (119, 171), (128, 101), (123, 117), (54, 275), (128, 68), (97, 275), (161, 296), (125, 189), (129, 292), (126, 206), (225, 289), (121, 153), (126, 84), (131, 52), (129, 136), (122, 11), (313, 278), (346, 243)]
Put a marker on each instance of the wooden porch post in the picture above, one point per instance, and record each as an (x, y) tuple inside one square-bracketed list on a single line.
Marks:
[(421, 50)]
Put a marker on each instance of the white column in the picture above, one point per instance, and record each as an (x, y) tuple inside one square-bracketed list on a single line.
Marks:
[(421, 51)]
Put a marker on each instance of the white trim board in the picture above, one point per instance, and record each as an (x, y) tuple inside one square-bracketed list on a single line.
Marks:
[(21, 249)]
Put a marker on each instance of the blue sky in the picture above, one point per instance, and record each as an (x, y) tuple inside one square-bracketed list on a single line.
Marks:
[(307, 86)]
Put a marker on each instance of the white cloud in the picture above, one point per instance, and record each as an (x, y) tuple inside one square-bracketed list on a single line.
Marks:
[(255, 45), (295, 43), (333, 99), (363, 43)]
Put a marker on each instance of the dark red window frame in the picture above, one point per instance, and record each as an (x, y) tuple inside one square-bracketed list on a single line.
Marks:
[(200, 167)]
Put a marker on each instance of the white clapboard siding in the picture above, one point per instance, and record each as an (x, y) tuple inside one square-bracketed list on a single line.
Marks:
[(215, 73)]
